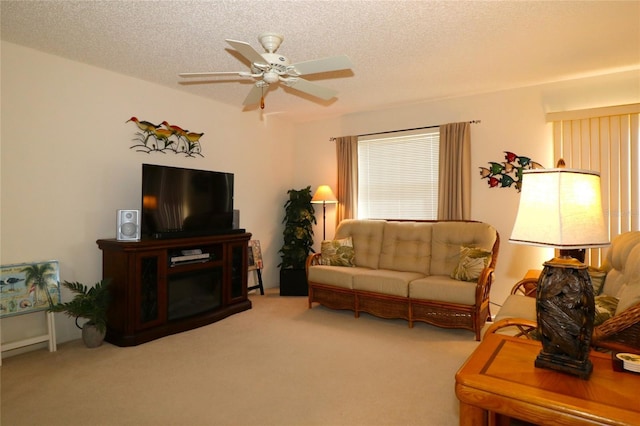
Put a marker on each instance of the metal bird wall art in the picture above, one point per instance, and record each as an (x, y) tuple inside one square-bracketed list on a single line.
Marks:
[(508, 174), (165, 137)]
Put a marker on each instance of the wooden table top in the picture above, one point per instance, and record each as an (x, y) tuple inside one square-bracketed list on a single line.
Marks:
[(500, 376)]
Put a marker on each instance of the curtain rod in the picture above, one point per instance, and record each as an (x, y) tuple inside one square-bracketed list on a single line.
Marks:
[(404, 130)]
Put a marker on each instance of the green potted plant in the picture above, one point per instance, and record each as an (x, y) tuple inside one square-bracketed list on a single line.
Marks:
[(298, 242), (90, 303)]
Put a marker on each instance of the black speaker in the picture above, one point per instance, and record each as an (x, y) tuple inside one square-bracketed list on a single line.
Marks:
[(236, 219), (128, 225)]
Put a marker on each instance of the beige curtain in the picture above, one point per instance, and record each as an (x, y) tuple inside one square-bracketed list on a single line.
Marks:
[(347, 191), (454, 188), (605, 140)]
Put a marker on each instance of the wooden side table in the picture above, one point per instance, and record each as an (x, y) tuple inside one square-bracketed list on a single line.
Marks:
[(499, 379)]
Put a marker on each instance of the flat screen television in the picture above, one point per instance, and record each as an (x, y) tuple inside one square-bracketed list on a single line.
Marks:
[(179, 202)]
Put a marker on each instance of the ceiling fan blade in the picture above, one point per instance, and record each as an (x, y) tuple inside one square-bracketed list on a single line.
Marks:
[(246, 50), (333, 63), (255, 94), (312, 89), (207, 74)]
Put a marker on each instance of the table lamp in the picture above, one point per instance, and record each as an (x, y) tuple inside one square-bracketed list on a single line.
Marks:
[(562, 208), (324, 195)]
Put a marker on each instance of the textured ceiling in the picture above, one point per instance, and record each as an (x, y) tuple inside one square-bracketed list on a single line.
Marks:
[(403, 51)]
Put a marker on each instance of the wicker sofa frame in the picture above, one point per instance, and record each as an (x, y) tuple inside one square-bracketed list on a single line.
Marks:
[(438, 313)]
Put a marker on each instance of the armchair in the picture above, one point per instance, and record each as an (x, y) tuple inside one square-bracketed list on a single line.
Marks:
[(620, 332)]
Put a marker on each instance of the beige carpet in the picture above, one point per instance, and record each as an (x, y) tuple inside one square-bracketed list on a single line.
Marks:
[(276, 364)]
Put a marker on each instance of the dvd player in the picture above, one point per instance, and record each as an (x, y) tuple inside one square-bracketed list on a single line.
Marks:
[(189, 257)]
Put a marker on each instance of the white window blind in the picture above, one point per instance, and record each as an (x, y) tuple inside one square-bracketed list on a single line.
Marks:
[(605, 140), (398, 176)]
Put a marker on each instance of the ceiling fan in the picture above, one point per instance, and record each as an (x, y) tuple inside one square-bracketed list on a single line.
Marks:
[(271, 68)]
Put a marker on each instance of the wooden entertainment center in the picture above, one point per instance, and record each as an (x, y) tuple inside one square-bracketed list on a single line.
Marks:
[(165, 286)]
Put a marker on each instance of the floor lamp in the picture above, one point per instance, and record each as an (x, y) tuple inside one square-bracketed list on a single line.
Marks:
[(324, 195), (561, 208)]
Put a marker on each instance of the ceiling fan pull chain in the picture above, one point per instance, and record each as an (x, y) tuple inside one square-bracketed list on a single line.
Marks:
[(262, 98)]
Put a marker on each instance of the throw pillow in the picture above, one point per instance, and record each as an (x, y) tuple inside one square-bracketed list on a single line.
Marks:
[(597, 279), (338, 252), (471, 263), (605, 308)]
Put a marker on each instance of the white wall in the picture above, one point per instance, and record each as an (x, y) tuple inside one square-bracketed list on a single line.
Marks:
[(67, 165), (511, 120)]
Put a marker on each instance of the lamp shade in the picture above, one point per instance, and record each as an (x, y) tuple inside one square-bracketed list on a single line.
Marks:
[(324, 194), (560, 208)]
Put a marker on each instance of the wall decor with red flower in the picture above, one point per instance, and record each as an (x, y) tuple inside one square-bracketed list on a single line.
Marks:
[(508, 174)]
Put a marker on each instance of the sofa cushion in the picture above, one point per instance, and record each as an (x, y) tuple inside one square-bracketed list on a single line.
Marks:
[(447, 238), (443, 288), (385, 281), (471, 263), (623, 264), (618, 258), (334, 275), (406, 246), (629, 296), (338, 252), (367, 240), (517, 306), (605, 308)]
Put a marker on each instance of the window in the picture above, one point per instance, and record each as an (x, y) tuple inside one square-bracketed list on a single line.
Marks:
[(398, 176)]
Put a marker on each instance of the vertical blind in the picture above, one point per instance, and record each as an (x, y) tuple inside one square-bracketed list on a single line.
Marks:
[(398, 176), (605, 140)]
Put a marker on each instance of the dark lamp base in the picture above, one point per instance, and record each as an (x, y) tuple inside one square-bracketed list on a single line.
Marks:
[(565, 364), (565, 310), (565, 262)]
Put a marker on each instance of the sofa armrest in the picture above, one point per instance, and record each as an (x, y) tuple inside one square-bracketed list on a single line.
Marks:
[(483, 286), (313, 259), (526, 287), (620, 332), (517, 327)]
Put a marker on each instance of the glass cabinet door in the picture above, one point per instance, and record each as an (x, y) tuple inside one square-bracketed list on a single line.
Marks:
[(150, 290), (238, 271)]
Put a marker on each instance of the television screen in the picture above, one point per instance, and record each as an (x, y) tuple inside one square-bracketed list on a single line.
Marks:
[(179, 202)]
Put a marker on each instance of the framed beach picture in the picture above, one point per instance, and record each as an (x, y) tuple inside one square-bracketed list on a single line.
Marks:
[(255, 255), (29, 287)]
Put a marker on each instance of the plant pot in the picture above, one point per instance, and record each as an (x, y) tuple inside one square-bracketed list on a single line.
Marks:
[(91, 336), (293, 282)]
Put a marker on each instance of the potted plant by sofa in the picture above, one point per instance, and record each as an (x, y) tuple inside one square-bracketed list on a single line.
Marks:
[(90, 303), (298, 242)]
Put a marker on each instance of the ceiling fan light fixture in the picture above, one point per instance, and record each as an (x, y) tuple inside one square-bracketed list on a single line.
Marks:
[(271, 77)]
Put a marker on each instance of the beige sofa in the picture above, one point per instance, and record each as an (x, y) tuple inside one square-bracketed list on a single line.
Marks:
[(403, 269), (617, 289)]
